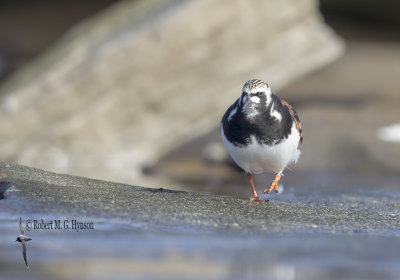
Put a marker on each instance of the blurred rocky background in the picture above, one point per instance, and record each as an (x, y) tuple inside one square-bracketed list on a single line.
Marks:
[(133, 91)]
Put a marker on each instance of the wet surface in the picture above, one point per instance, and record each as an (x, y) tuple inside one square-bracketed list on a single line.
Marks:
[(164, 254), (303, 233)]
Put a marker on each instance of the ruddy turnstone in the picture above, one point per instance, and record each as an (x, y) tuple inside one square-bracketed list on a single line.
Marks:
[(262, 133)]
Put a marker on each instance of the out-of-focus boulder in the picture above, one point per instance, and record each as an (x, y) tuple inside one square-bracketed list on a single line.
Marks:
[(128, 85)]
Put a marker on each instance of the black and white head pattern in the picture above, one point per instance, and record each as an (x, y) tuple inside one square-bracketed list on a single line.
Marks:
[(256, 94), (259, 113)]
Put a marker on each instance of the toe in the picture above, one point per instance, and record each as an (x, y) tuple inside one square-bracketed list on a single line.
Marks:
[(256, 199)]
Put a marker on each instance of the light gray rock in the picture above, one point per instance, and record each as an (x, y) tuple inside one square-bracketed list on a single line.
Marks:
[(126, 86)]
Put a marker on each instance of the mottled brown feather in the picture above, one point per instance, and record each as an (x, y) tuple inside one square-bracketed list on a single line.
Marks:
[(295, 118)]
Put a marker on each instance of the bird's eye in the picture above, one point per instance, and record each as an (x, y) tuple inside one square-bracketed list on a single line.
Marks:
[(257, 94)]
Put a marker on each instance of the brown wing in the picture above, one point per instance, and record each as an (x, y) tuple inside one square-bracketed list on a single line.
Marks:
[(295, 117)]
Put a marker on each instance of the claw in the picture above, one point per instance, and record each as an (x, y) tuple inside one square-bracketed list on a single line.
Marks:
[(274, 184)]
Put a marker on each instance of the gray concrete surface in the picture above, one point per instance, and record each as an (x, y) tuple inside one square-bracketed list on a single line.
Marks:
[(149, 233)]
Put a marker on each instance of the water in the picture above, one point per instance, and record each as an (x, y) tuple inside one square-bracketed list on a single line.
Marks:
[(229, 257)]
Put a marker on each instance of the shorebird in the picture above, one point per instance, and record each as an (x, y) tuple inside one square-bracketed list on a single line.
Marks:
[(23, 239), (261, 132)]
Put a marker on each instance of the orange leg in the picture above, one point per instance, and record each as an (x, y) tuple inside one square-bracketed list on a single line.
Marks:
[(274, 184), (250, 179)]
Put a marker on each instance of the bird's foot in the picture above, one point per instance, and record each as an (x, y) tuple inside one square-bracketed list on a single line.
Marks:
[(274, 185), (257, 198)]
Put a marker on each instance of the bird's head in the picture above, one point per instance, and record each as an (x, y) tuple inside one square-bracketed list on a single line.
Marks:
[(256, 95)]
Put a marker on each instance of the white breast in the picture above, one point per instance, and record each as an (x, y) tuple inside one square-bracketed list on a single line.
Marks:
[(257, 158)]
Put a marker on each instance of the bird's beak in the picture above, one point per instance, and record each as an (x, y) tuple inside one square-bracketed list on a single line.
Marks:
[(243, 98)]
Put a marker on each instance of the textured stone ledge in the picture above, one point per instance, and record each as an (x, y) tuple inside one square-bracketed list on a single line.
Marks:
[(323, 211)]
